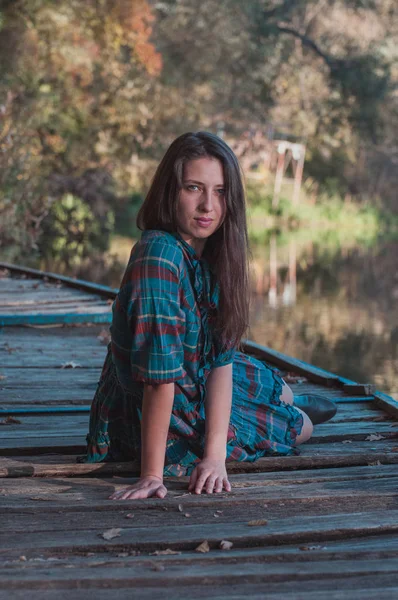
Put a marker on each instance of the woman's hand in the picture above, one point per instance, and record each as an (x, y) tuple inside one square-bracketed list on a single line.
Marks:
[(209, 475), (146, 487)]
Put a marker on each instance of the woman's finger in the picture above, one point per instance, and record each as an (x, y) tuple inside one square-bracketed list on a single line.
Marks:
[(210, 484), (227, 485), (200, 483), (219, 485), (192, 479), (161, 492)]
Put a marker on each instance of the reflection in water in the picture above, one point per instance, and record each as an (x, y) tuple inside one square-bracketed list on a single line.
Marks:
[(334, 308)]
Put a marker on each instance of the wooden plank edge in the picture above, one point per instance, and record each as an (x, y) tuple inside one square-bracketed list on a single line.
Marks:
[(103, 290), (66, 318), (314, 374), (386, 403)]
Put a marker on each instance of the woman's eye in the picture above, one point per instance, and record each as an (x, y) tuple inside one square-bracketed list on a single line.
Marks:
[(221, 192), (192, 187)]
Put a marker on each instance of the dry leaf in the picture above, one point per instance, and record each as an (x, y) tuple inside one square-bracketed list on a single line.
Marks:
[(109, 534), (187, 514), (376, 463), (258, 522), (312, 548), (122, 555), (2, 377), (10, 421), (156, 567), (164, 552), (374, 437), (41, 498), (104, 337), (203, 547), (220, 512), (130, 516), (70, 365), (394, 449), (346, 442), (180, 508), (226, 545)]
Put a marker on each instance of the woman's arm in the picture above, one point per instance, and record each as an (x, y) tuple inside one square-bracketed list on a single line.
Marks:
[(218, 411), (157, 404), (211, 473)]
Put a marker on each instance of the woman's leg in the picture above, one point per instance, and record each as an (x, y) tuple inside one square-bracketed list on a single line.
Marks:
[(306, 432)]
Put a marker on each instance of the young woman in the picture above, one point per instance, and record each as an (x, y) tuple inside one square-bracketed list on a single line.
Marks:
[(174, 390)]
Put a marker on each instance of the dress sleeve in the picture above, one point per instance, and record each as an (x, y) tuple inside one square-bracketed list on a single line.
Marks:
[(155, 318), (224, 358)]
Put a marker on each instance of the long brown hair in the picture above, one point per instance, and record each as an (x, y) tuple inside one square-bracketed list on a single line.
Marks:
[(227, 248)]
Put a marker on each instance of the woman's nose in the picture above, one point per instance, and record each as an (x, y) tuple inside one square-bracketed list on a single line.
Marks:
[(207, 200)]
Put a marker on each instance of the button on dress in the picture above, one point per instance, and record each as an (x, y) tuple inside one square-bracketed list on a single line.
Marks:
[(163, 332)]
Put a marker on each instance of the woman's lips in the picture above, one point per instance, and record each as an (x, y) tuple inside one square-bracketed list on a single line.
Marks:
[(202, 222)]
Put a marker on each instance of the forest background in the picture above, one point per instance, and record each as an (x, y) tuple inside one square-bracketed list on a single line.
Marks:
[(92, 93)]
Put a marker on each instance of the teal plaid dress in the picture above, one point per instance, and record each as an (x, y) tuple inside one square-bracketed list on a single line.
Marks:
[(162, 332)]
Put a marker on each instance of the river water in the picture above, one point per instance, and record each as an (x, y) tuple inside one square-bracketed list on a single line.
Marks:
[(334, 307)]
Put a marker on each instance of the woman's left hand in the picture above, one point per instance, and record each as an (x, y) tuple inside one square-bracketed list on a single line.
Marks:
[(209, 475)]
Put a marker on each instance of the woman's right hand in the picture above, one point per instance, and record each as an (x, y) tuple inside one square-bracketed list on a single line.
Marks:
[(146, 487)]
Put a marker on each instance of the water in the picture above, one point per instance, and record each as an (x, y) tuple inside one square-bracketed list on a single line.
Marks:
[(334, 307)]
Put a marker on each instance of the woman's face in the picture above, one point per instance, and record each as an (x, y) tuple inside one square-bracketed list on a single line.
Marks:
[(201, 204)]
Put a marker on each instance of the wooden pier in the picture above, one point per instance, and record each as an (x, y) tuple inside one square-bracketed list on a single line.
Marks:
[(321, 525)]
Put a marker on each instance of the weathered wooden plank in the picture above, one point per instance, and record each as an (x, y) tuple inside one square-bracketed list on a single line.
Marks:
[(70, 282), (245, 501), (25, 299), (145, 575), (53, 465), (386, 403), (55, 307), (347, 413), (311, 456), (72, 507), (373, 547), (349, 588), (94, 315), (278, 531), (76, 426)]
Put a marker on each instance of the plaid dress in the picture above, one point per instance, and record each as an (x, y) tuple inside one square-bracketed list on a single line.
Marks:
[(162, 332)]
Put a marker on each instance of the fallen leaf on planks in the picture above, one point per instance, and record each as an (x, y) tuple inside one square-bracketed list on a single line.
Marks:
[(10, 421), (104, 337), (109, 534), (41, 498), (257, 522), (164, 552), (2, 377), (374, 437), (203, 547), (70, 365), (130, 516), (180, 508), (225, 545), (306, 548)]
